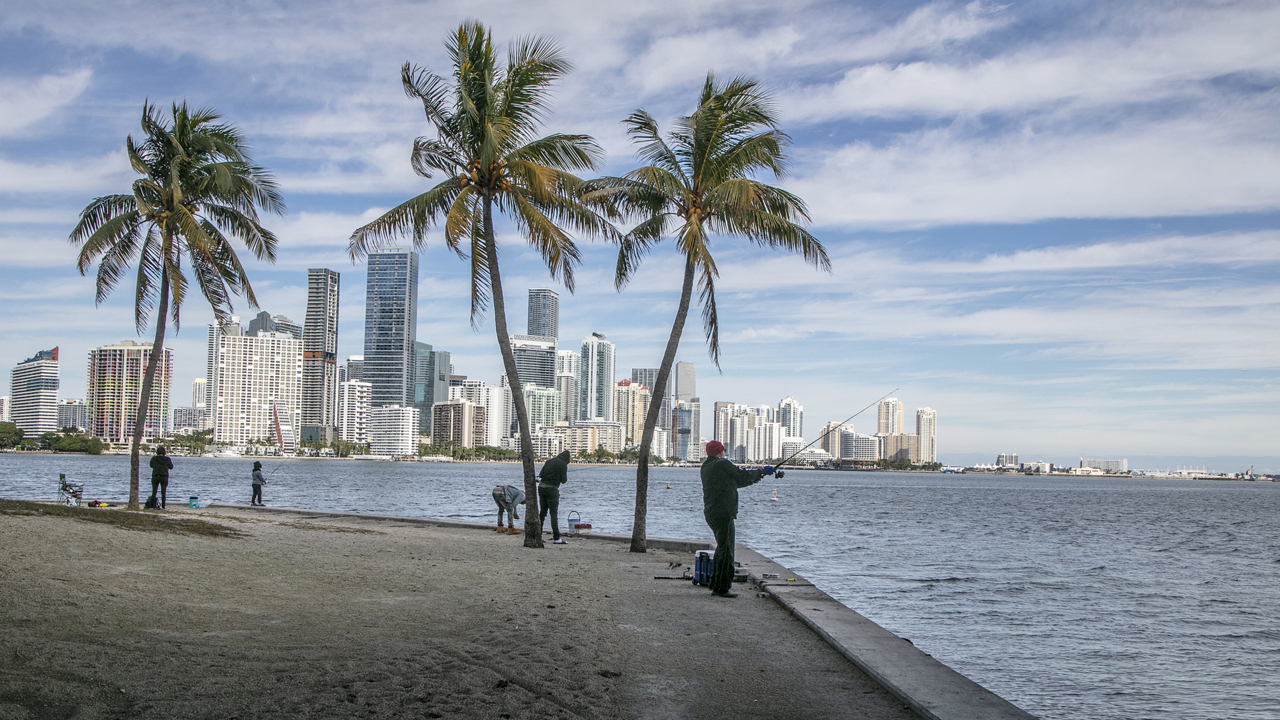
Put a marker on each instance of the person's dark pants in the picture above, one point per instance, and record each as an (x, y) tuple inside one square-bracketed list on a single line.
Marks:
[(160, 488), (722, 569), (504, 506), (257, 495), (549, 499)]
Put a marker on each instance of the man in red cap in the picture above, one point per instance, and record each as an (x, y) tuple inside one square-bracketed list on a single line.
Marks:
[(720, 482)]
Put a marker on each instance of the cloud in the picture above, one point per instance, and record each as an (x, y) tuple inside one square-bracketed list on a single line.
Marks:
[(30, 100)]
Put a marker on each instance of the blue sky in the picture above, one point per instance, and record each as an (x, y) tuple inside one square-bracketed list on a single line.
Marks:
[(1057, 224)]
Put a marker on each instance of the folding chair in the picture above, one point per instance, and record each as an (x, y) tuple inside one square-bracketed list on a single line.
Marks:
[(68, 493)]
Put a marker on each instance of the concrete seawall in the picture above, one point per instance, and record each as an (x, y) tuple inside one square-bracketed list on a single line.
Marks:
[(927, 686)]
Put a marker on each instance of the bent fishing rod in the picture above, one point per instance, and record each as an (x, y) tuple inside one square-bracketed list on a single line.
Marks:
[(778, 474)]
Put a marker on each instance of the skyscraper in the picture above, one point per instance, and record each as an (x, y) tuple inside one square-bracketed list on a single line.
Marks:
[(199, 392), (353, 370), (353, 411), (320, 356), (390, 325), (33, 389), (595, 384), (263, 322), (568, 373), (791, 416), (890, 417), (648, 377), (114, 386), (535, 357), (255, 386), (688, 428), (630, 405), (4, 408), (544, 315), (683, 384), (927, 433), (71, 414), (431, 382)]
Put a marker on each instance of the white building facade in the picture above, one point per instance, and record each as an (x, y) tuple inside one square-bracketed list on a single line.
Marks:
[(595, 384), (353, 411), (33, 392), (927, 435), (393, 430), (255, 386)]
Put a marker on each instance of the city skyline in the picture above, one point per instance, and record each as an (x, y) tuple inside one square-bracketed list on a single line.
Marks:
[(1078, 267)]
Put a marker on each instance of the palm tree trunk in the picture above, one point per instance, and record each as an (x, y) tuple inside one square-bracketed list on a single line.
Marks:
[(144, 396), (638, 528), (532, 530)]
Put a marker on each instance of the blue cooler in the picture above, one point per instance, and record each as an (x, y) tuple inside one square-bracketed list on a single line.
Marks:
[(702, 567)]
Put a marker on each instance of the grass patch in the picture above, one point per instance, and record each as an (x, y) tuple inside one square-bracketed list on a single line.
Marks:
[(146, 521)]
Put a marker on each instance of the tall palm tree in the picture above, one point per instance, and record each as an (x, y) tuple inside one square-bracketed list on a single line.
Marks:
[(485, 146), (698, 184), (198, 191)]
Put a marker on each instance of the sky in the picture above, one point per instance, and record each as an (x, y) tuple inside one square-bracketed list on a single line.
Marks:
[(1056, 224)]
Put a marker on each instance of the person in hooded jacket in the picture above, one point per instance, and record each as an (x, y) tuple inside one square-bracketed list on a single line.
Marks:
[(720, 482), (160, 467), (258, 481), (554, 473)]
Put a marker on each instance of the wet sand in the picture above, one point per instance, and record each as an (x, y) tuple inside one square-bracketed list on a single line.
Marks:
[(324, 617)]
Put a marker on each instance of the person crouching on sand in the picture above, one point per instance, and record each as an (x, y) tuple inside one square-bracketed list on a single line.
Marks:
[(507, 498), (258, 481)]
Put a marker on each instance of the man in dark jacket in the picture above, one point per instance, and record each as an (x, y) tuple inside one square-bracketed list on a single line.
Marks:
[(160, 467), (720, 482), (554, 474)]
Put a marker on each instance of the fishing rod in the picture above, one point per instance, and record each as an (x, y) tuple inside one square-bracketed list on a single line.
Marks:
[(778, 474)]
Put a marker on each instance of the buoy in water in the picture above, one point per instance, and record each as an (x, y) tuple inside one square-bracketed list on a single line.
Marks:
[(775, 496)]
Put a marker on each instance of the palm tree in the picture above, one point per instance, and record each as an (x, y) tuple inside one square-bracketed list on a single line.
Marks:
[(198, 190), (697, 184), (485, 146)]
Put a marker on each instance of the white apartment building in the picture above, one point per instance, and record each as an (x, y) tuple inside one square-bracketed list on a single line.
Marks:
[(499, 409), (830, 440), (114, 386), (543, 406), (791, 446), (33, 389), (1114, 467), (546, 443), (595, 380), (856, 446), (660, 447), (927, 434), (4, 408), (353, 411), (199, 393), (187, 420), (630, 405), (393, 430), (791, 417), (71, 413), (590, 434), (764, 442), (255, 386)]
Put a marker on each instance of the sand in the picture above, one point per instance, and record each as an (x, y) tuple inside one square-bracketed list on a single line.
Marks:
[(342, 618)]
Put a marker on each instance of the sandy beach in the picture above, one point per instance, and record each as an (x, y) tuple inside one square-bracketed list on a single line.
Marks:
[(324, 617)]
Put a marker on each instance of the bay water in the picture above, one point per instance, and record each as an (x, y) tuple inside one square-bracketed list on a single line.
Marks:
[(1103, 598)]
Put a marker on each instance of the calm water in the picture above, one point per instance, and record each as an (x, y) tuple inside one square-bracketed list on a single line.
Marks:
[(1072, 598)]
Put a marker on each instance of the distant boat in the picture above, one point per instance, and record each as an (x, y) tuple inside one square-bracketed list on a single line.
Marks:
[(227, 454)]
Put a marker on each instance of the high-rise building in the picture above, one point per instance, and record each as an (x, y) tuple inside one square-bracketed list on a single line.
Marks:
[(890, 417), (543, 406), (901, 446), (114, 386), (544, 315), (568, 373), (535, 357), (830, 440), (71, 414), (264, 322), (764, 442), (648, 377), (688, 428), (4, 408), (393, 430), (791, 417), (255, 386), (1007, 460), (686, 385), (927, 432), (390, 325), (595, 382), (33, 389), (499, 410), (630, 405), (199, 393), (188, 420), (354, 369), (320, 356), (459, 423), (353, 411), (683, 384), (856, 446), (431, 382), (591, 434)]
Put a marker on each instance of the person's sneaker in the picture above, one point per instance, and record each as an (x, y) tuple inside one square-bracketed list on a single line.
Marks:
[(725, 594), (514, 531), (559, 542)]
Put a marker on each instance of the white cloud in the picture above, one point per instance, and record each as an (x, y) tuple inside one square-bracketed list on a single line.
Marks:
[(30, 100)]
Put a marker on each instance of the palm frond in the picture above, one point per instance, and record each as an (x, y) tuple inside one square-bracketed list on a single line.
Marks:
[(414, 216)]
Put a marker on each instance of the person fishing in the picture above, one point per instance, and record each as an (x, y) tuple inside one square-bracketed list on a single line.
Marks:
[(720, 482), (508, 497), (161, 464), (258, 481), (554, 473)]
